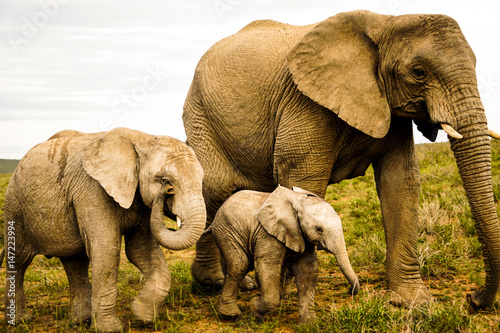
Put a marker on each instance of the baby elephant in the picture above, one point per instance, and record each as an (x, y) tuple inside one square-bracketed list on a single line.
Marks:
[(271, 233), (75, 196)]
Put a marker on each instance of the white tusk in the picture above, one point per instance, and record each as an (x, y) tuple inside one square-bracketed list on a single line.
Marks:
[(179, 221), (494, 135), (451, 131)]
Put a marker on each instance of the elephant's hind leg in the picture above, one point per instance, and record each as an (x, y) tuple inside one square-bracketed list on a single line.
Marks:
[(77, 270), (236, 266), (144, 253), (15, 301), (17, 256), (206, 267)]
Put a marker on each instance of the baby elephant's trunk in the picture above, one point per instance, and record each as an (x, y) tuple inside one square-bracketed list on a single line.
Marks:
[(335, 244)]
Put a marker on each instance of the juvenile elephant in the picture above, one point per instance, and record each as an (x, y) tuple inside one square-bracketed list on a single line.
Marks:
[(312, 105), (272, 232), (75, 195)]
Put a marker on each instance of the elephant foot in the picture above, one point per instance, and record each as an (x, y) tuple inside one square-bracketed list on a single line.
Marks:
[(145, 312), (80, 317), (107, 324), (228, 310), (307, 318), (80, 314), (18, 318), (480, 299), (208, 276), (247, 284), (409, 295), (260, 307)]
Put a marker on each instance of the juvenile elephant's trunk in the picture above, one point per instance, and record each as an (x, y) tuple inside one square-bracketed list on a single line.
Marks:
[(192, 224), (335, 244)]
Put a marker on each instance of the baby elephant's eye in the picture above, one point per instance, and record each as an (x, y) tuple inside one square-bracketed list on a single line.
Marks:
[(319, 230)]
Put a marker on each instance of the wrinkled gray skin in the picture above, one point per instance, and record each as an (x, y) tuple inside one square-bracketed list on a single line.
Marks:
[(309, 106), (272, 232), (75, 195)]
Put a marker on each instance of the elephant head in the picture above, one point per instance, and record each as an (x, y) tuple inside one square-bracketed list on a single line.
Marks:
[(162, 170), (294, 215), (377, 67)]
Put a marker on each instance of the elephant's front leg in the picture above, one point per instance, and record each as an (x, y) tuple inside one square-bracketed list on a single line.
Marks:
[(398, 185), (269, 261), (306, 277), (104, 248), (144, 253)]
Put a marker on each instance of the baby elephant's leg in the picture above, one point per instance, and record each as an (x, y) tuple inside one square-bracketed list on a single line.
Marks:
[(306, 276), (236, 267), (268, 269)]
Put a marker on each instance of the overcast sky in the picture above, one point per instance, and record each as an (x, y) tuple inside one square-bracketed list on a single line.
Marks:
[(91, 65)]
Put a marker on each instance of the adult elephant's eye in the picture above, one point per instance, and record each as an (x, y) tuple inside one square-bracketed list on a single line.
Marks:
[(419, 72)]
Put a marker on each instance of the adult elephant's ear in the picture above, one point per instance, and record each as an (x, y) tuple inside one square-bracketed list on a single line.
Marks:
[(279, 217), (335, 64), (111, 159)]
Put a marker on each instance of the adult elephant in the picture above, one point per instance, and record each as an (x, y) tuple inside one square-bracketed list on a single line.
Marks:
[(309, 106)]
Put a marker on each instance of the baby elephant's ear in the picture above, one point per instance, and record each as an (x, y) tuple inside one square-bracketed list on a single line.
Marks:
[(111, 159), (299, 190), (279, 217)]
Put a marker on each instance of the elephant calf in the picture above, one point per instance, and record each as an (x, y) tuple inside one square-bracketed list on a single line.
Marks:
[(271, 233), (75, 195)]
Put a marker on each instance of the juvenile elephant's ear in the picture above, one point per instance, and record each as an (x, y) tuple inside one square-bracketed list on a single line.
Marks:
[(111, 159), (299, 190), (335, 64), (279, 217)]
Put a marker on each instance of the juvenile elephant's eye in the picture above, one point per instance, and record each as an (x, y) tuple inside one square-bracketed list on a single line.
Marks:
[(319, 230), (163, 181), (419, 72)]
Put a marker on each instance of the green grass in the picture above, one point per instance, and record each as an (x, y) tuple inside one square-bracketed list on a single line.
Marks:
[(450, 256)]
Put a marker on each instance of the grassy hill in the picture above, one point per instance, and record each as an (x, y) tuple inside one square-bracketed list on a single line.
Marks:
[(8, 166), (450, 256)]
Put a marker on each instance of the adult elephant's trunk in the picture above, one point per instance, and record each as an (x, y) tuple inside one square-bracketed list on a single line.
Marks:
[(335, 243), (192, 223), (473, 156)]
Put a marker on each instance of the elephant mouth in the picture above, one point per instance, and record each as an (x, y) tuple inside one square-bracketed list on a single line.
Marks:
[(190, 225), (429, 130), (179, 224), (320, 247)]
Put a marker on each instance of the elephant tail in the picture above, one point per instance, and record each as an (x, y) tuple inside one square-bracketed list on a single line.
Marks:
[(2, 255)]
